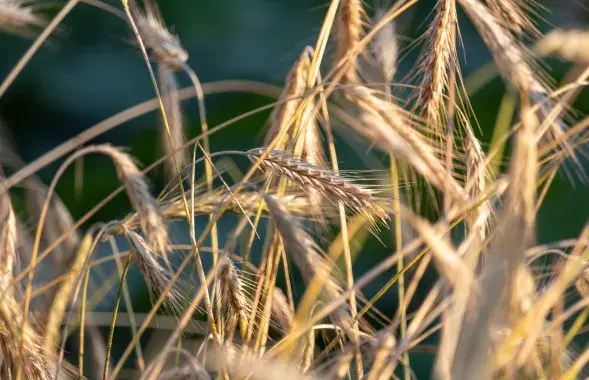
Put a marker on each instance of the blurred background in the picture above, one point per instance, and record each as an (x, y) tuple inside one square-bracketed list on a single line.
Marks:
[(90, 70)]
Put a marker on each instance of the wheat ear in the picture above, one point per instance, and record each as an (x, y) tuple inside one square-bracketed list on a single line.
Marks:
[(436, 61), (348, 32), (171, 101), (330, 184)]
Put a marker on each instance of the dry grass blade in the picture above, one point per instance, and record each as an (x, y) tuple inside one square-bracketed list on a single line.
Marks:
[(211, 201), (348, 33), (17, 16), (329, 184)]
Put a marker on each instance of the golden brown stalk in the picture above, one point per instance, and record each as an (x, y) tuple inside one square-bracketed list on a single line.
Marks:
[(17, 17), (513, 66), (437, 60), (164, 45), (386, 48), (512, 15), (570, 44), (58, 221), (171, 101), (382, 122), (329, 184), (151, 222), (348, 32), (155, 275), (232, 294), (308, 258)]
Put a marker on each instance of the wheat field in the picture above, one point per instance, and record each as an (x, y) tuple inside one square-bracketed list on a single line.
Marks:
[(255, 273)]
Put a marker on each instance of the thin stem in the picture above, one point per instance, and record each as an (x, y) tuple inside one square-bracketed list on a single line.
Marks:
[(111, 333)]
